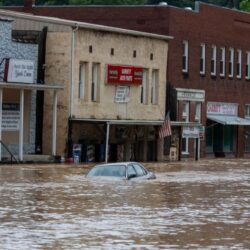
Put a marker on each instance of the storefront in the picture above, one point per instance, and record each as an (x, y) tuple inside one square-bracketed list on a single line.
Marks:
[(222, 128)]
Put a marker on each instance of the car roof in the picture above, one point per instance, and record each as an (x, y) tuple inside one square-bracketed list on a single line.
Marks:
[(125, 163)]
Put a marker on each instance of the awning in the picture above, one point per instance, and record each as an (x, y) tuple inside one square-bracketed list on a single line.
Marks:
[(229, 120)]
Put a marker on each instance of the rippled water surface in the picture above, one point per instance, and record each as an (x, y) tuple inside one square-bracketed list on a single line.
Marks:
[(191, 205)]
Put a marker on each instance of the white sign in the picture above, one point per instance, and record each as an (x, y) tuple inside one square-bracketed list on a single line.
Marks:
[(21, 71), (10, 117), (122, 94), (190, 95), (216, 108), (191, 132)]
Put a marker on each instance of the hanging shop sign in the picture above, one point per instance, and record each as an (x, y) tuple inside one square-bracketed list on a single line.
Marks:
[(20, 71), (10, 116), (118, 74), (191, 132), (122, 94), (217, 108)]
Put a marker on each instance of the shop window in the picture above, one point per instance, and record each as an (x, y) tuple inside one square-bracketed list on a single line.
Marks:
[(247, 138), (82, 80), (198, 112), (185, 56), (94, 85), (238, 66), (222, 61), (144, 86), (228, 142), (248, 65), (231, 63), (154, 86), (202, 58), (213, 60)]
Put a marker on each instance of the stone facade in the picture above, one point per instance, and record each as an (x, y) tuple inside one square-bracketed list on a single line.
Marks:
[(18, 50)]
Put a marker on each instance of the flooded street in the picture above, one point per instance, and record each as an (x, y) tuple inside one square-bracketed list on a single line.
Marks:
[(195, 205)]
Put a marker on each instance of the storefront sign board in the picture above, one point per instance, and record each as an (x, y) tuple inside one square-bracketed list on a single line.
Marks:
[(118, 74), (20, 71), (216, 108), (191, 132), (122, 94)]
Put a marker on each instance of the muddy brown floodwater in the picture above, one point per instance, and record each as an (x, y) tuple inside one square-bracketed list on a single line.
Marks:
[(191, 205)]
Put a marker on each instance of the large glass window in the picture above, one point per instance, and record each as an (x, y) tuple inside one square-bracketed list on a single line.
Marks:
[(247, 110), (94, 85), (82, 80), (239, 59), (198, 112), (185, 56), (231, 63), (185, 117), (213, 60), (202, 58), (154, 86), (247, 138), (248, 65), (222, 62), (144, 86)]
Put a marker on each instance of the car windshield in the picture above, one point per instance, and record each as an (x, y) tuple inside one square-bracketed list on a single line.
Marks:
[(107, 170)]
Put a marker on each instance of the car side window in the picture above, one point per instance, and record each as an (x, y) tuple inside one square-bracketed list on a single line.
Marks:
[(131, 171), (139, 170)]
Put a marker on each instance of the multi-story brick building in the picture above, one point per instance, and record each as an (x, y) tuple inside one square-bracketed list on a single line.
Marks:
[(208, 69), (115, 88)]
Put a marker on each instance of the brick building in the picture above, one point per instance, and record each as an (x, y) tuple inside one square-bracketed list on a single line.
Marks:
[(208, 69)]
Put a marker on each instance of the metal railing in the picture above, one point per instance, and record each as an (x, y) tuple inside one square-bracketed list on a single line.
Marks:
[(12, 157)]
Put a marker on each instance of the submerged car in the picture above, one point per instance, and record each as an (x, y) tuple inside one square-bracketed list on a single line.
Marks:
[(123, 170)]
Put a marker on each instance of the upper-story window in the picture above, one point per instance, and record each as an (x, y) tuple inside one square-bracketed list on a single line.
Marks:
[(198, 112), (222, 61), (247, 110), (154, 86), (202, 58), (185, 111), (231, 63), (248, 65), (144, 84), (185, 56), (239, 60), (94, 85), (82, 80), (213, 60)]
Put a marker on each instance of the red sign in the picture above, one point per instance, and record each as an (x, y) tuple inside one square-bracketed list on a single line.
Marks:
[(124, 74)]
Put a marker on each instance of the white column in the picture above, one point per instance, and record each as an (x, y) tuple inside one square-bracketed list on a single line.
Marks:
[(54, 123), (21, 125), (1, 106), (107, 143)]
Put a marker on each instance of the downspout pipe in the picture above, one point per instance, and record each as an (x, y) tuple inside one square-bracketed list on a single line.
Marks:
[(74, 29)]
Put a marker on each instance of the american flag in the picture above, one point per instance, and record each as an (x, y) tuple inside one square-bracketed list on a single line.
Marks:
[(165, 129)]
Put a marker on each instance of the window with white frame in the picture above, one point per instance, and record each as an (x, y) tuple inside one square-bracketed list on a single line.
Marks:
[(239, 62), (143, 99), (154, 86), (185, 117), (231, 63), (185, 56), (185, 111), (202, 58), (247, 110), (222, 61), (82, 80), (248, 65), (213, 60), (198, 112), (94, 85)]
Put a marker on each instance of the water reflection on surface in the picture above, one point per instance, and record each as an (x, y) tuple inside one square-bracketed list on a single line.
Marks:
[(196, 205)]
